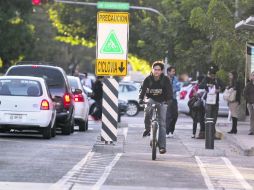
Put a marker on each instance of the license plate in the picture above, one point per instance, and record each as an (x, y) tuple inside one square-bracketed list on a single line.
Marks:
[(16, 117)]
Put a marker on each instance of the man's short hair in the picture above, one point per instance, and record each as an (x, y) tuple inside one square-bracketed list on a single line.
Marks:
[(213, 70), (170, 68), (158, 63)]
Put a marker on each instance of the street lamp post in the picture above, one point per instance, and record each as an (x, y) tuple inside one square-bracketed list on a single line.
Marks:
[(95, 5)]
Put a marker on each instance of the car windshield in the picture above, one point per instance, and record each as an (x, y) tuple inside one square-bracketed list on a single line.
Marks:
[(53, 77), (20, 87)]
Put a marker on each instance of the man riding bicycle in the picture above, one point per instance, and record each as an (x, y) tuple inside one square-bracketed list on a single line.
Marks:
[(157, 88)]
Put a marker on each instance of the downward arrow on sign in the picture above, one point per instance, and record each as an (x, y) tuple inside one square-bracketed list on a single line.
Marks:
[(121, 69)]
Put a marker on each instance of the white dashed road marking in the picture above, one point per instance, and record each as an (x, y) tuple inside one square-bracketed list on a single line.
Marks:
[(92, 171), (219, 173)]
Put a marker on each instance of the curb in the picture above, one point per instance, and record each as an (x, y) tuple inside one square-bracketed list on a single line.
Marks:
[(244, 150)]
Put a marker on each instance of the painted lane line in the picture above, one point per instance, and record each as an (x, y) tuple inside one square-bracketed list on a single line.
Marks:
[(62, 183), (237, 174), (106, 173), (204, 174)]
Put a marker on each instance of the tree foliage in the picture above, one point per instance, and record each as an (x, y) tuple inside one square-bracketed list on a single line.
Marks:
[(193, 34), (16, 34)]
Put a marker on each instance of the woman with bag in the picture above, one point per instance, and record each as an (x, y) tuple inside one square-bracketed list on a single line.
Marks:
[(197, 110), (249, 96), (233, 96)]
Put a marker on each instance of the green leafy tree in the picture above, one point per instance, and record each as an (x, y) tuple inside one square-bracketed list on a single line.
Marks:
[(16, 34)]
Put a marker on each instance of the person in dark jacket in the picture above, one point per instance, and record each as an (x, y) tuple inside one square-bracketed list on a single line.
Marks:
[(197, 112), (249, 96), (97, 96), (172, 111), (234, 105), (157, 88)]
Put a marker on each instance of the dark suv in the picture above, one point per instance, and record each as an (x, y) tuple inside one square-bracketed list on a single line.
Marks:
[(59, 89)]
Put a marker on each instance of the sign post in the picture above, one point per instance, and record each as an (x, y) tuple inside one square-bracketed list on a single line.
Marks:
[(111, 54)]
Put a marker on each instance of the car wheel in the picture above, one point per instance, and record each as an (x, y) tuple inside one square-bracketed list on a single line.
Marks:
[(86, 124), (72, 125), (53, 131), (82, 125), (132, 109), (46, 132), (66, 130)]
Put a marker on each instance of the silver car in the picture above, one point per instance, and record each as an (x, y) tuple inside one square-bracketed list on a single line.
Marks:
[(183, 98)]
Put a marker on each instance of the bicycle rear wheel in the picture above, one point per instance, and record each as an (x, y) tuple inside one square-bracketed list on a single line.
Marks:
[(154, 141)]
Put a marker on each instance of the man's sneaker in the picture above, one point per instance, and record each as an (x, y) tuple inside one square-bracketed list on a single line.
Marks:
[(167, 136), (162, 151), (171, 135), (146, 133)]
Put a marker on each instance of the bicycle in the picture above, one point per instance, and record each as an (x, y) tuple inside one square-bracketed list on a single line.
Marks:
[(154, 137)]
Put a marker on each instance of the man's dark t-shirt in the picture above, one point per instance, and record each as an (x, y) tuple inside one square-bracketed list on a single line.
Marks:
[(159, 91)]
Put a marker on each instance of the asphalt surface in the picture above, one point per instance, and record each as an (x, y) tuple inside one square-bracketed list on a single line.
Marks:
[(81, 161)]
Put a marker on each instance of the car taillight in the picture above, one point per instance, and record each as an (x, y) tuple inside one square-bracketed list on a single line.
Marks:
[(67, 100), (183, 94), (79, 98), (44, 105)]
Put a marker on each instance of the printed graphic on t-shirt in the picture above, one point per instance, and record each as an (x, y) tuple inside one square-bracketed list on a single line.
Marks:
[(155, 92)]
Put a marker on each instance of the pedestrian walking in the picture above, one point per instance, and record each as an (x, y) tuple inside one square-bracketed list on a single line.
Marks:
[(197, 110), (249, 96), (232, 95), (157, 88), (97, 96), (172, 111), (213, 87)]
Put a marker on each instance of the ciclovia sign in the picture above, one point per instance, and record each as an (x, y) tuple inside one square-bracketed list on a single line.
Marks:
[(112, 43)]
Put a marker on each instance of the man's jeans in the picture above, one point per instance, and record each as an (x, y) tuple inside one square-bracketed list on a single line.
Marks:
[(251, 113), (162, 121)]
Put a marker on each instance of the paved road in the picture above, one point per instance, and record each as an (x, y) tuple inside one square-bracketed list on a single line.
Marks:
[(67, 162), (29, 158)]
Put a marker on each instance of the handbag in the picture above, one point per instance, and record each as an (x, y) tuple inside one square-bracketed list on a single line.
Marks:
[(198, 103), (229, 95), (195, 102)]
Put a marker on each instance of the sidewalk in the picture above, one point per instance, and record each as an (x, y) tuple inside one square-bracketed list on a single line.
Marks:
[(242, 140)]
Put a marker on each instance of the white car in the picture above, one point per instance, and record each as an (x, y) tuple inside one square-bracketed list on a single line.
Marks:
[(129, 92), (81, 104), (183, 98), (25, 104)]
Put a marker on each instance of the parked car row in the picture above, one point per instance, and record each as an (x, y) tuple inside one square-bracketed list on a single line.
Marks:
[(43, 98)]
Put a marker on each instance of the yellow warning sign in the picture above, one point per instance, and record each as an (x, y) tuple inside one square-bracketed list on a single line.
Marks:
[(111, 67), (113, 17)]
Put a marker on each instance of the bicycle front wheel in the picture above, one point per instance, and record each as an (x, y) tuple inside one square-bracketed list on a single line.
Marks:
[(154, 140)]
